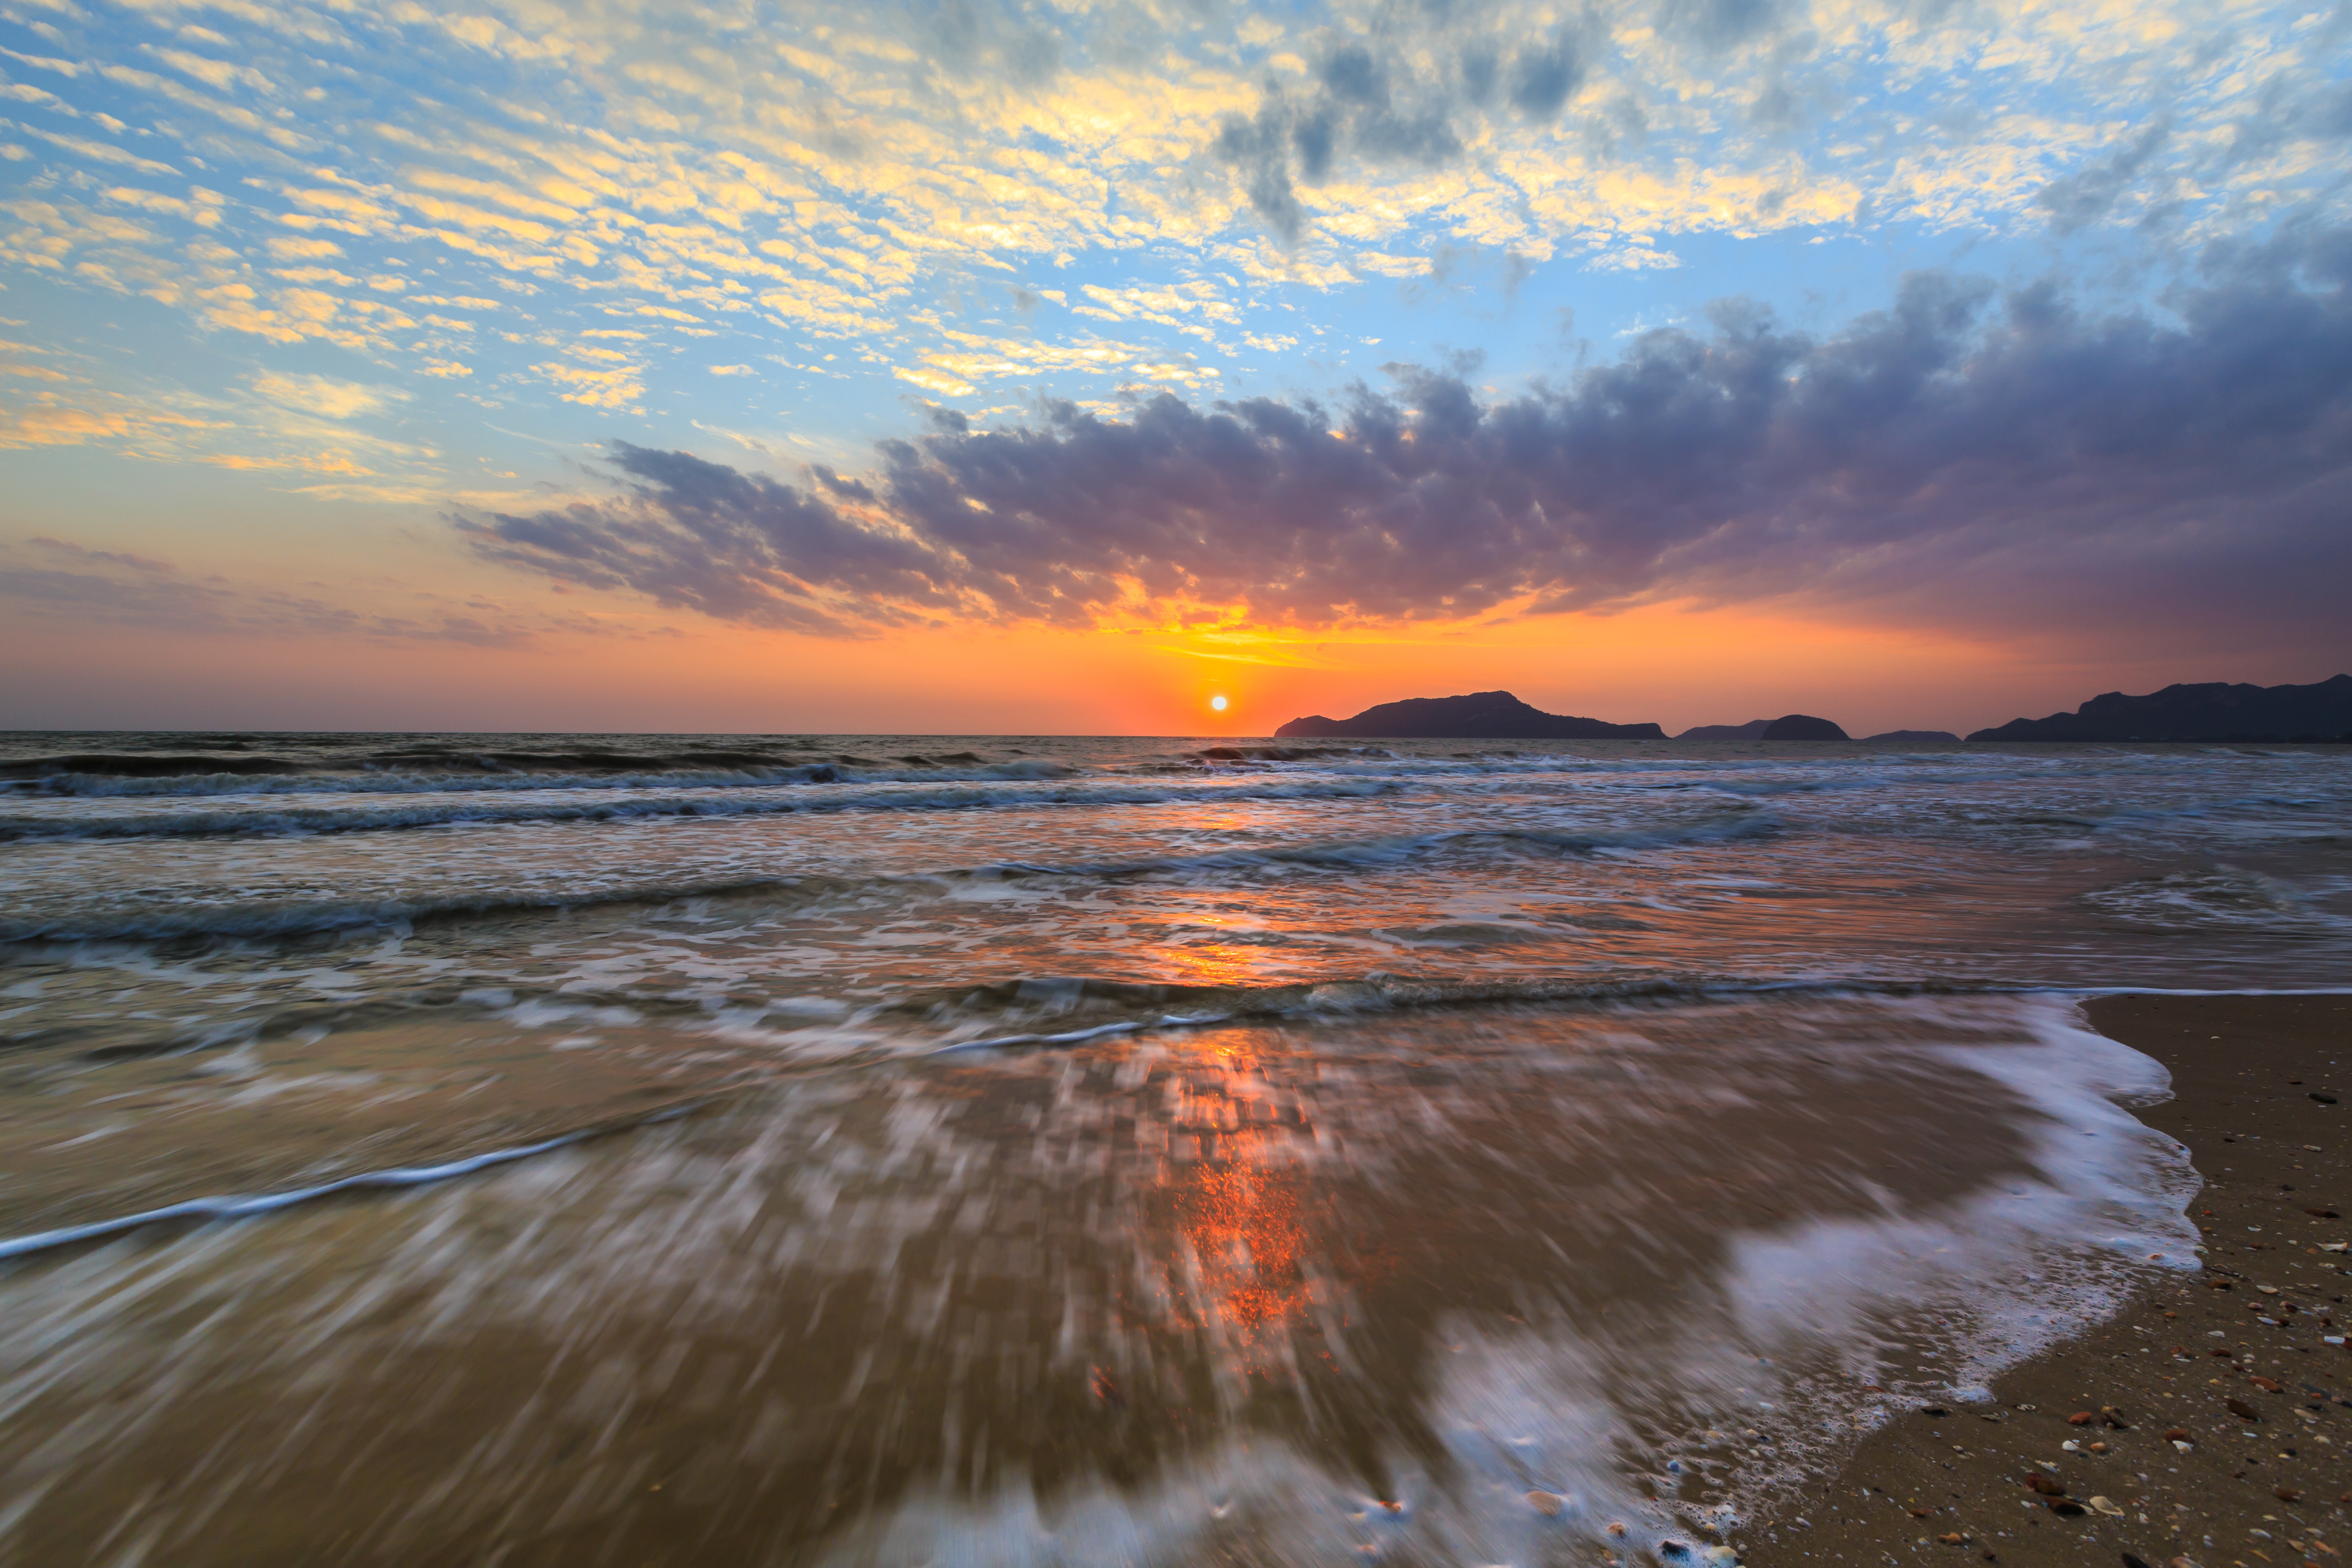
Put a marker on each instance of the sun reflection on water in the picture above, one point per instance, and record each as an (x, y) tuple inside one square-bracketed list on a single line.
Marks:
[(1235, 1185)]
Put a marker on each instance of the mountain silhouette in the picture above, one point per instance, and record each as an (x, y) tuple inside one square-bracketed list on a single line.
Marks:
[(1480, 715), (2213, 711), (1802, 727)]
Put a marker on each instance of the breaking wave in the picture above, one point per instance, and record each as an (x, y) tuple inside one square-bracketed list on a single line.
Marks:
[(258, 919), (1008, 789)]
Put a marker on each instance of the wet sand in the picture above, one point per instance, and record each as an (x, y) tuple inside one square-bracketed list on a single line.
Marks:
[(2262, 1088), (1437, 1287)]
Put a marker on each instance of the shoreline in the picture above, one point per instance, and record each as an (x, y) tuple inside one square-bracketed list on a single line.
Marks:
[(2260, 1083)]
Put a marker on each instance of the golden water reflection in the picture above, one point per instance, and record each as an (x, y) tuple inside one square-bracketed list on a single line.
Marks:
[(1234, 1184)]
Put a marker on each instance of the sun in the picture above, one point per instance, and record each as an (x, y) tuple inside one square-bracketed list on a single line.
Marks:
[(1218, 703)]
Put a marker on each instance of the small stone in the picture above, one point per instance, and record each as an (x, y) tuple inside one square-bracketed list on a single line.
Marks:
[(2098, 1447), (2323, 1214), (2267, 1290), (2048, 1486), (2242, 1410), (1548, 1504), (2266, 1385), (2287, 1494), (1954, 1539), (2065, 1509), (2175, 1433), (2081, 1418)]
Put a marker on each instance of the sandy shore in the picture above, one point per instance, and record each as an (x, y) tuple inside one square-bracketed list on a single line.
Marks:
[(2257, 1080)]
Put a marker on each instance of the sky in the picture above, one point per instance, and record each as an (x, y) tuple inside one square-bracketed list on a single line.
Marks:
[(957, 367)]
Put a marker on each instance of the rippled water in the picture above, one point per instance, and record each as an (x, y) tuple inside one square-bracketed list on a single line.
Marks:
[(987, 1151)]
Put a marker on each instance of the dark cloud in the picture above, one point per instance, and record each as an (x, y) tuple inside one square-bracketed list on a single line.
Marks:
[(1392, 99), (965, 43), (1978, 458), (1715, 24), (742, 547), (1546, 75), (2089, 194)]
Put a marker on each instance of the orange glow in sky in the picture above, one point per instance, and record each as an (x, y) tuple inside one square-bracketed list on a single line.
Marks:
[(1673, 664)]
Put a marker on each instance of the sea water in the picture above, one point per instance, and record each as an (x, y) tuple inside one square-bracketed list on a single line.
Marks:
[(660, 1149)]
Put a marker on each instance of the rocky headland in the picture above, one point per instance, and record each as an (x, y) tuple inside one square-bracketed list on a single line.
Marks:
[(2212, 711)]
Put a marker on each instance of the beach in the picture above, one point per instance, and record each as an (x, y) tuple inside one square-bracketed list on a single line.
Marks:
[(841, 1150), (2252, 1326)]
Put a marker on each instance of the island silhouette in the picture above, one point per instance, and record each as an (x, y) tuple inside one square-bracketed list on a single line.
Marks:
[(2209, 712), (1479, 716), (1788, 727)]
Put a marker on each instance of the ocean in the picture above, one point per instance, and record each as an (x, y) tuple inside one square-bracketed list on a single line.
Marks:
[(529, 1149)]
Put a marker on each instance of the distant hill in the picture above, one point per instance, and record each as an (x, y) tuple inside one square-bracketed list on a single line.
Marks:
[(1480, 715), (2214, 710), (1802, 727), (1908, 737), (1788, 727)]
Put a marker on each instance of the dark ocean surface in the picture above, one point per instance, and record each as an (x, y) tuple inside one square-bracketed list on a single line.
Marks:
[(890, 1150)]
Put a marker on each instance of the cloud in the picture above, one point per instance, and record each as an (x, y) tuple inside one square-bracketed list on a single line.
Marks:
[(616, 388), (119, 587), (49, 421), (1405, 89), (1962, 453), (2091, 192), (322, 394), (741, 547), (845, 173)]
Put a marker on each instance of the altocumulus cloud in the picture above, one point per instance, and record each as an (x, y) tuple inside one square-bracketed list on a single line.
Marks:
[(1984, 458)]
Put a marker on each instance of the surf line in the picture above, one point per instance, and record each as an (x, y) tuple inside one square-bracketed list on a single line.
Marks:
[(246, 1205), (1079, 1036)]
